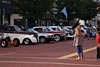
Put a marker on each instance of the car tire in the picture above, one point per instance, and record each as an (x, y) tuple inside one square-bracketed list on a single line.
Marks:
[(4, 43), (57, 38), (16, 42), (27, 41), (42, 39)]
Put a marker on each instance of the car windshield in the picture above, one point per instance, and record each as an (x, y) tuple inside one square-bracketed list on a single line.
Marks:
[(49, 29), (59, 29), (84, 27), (31, 30), (55, 28), (66, 29), (70, 28), (17, 28)]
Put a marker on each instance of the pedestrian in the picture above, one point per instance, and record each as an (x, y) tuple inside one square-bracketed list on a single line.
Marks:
[(78, 39), (88, 33), (22, 27), (98, 45), (93, 34)]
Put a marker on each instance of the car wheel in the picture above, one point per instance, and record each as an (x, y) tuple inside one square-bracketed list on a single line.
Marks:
[(4, 43), (26, 41), (57, 38), (16, 42), (42, 39)]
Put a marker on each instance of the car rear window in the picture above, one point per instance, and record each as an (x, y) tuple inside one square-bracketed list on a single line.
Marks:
[(9, 29)]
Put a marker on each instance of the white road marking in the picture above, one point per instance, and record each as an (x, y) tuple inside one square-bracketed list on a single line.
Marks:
[(26, 57), (53, 63), (48, 58), (7, 54)]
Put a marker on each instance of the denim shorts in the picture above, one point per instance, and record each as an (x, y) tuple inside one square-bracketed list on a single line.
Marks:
[(79, 50)]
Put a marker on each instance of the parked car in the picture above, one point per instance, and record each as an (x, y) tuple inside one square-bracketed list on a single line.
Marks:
[(43, 37), (71, 29), (68, 30), (16, 34), (58, 28), (58, 35), (84, 29), (5, 41)]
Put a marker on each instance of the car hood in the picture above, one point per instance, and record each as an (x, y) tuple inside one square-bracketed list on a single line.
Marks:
[(45, 34)]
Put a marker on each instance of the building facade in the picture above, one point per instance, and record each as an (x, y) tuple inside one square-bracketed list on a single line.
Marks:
[(5, 11)]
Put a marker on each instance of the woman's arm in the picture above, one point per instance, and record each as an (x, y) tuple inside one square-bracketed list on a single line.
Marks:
[(74, 41)]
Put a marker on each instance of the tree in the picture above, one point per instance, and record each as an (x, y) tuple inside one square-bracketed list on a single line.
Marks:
[(32, 9), (82, 9)]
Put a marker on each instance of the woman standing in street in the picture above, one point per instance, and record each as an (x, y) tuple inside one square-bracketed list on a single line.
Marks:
[(78, 42)]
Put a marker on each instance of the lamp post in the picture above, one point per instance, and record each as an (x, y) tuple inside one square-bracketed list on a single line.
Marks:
[(1, 12)]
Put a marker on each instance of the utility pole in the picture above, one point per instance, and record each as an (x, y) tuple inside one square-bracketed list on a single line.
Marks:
[(1, 12)]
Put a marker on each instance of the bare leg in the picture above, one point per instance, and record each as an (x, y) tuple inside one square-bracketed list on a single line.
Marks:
[(78, 57)]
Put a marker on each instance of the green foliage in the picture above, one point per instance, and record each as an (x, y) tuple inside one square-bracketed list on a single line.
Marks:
[(83, 9), (36, 9), (32, 9)]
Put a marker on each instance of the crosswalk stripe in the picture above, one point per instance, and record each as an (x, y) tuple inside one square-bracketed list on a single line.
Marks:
[(75, 54)]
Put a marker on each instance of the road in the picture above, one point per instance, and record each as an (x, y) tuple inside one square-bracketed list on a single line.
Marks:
[(52, 54)]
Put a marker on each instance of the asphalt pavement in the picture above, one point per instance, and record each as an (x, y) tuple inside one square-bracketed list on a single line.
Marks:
[(52, 54)]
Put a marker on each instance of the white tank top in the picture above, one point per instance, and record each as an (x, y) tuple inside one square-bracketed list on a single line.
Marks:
[(78, 40)]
